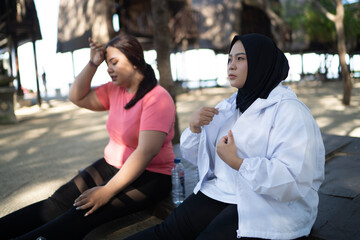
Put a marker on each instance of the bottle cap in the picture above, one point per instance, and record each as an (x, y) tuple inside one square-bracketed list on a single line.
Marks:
[(177, 160)]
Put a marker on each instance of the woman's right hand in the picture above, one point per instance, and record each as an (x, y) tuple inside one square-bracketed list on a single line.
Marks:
[(202, 117), (97, 52)]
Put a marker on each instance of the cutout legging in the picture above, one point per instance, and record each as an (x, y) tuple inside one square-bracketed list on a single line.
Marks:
[(56, 218)]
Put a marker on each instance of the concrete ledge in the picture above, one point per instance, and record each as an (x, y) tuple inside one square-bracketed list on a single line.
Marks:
[(123, 227)]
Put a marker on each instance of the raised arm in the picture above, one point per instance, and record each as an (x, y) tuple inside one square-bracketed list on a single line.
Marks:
[(81, 93), (149, 146)]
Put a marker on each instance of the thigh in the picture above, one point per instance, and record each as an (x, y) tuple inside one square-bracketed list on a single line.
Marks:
[(190, 218), (147, 190), (96, 174), (223, 226)]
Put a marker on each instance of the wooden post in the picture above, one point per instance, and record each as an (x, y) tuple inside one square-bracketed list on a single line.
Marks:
[(16, 58), (73, 63), (36, 73), (302, 66), (10, 57)]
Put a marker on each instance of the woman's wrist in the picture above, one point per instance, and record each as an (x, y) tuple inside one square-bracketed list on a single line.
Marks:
[(108, 191), (93, 64), (195, 129)]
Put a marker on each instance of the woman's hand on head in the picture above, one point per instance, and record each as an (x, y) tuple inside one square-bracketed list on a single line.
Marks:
[(92, 199), (226, 149), (97, 52), (202, 117)]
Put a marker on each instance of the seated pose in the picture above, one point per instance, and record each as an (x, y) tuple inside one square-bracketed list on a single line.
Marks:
[(135, 171), (260, 156)]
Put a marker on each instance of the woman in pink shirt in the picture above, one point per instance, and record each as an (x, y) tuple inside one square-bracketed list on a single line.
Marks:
[(135, 171)]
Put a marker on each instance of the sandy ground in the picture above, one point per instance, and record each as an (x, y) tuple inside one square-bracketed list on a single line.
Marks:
[(49, 145)]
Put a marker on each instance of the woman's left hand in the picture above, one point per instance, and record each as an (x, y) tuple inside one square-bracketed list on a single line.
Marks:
[(92, 198), (226, 149)]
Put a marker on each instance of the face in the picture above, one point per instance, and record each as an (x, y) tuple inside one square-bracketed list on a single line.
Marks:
[(121, 71), (237, 65)]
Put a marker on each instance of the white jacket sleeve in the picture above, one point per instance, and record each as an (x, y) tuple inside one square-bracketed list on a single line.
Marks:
[(293, 161), (189, 145)]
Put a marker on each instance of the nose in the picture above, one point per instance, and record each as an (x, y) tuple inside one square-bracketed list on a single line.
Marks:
[(231, 66), (109, 69)]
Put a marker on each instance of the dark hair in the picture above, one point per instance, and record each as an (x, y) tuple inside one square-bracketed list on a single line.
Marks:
[(134, 52)]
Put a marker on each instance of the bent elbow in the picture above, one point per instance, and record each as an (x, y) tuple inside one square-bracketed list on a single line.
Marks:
[(74, 100), (154, 152), (71, 98)]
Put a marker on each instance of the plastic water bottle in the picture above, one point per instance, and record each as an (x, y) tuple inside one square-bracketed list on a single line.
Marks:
[(178, 182)]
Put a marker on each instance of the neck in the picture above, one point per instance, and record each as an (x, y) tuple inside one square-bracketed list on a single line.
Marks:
[(138, 78)]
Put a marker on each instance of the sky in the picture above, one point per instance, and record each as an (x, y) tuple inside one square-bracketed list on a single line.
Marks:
[(47, 12), (59, 66)]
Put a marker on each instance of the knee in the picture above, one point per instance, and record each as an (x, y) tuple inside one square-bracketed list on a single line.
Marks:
[(64, 197)]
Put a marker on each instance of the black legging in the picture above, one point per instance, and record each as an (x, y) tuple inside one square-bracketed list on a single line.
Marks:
[(198, 217), (56, 218)]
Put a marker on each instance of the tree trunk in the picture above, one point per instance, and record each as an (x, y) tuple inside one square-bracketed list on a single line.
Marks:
[(160, 16), (338, 20), (339, 25)]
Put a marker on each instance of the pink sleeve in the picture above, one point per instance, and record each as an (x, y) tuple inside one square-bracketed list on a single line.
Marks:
[(158, 111), (102, 92)]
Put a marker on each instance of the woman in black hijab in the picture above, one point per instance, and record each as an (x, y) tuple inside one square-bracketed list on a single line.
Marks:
[(259, 153), (267, 67)]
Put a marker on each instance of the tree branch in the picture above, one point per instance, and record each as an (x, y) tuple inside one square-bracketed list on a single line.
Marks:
[(328, 14)]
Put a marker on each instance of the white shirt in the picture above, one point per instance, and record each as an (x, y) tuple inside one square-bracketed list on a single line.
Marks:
[(283, 168), (220, 180)]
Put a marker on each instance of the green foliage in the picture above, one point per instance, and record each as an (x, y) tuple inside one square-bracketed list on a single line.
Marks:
[(307, 16), (352, 20), (292, 14), (317, 25)]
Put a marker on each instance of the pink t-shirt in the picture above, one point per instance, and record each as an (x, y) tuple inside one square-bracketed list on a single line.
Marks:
[(155, 111)]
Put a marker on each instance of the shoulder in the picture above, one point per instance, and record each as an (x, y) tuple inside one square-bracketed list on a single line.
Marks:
[(286, 97), (294, 112), (229, 103), (287, 107), (159, 90), (291, 101), (157, 93), (110, 87)]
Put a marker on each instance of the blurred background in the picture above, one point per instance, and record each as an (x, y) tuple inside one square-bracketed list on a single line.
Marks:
[(43, 44)]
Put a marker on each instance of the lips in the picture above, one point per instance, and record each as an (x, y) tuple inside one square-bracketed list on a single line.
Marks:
[(231, 76)]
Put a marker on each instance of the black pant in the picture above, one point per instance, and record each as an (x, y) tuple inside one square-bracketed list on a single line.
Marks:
[(56, 218), (198, 217)]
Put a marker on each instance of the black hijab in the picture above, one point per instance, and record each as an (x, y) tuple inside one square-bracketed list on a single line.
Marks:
[(267, 67)]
